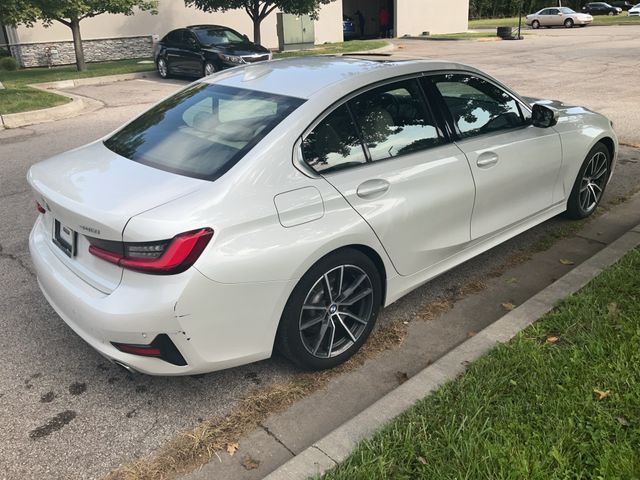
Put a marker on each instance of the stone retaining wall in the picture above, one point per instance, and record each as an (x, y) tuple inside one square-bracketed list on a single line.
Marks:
[(95, 50)]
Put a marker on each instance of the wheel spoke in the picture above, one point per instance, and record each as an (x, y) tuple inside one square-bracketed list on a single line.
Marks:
[(584, 199), (311, 323), (327, 286), (358, 297), (333, 335), (349, 291), (341, 280), (351, 315), (323, 332), (314, 307), (353, 339)]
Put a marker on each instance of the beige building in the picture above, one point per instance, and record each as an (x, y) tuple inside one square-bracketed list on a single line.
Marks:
[(119, 36)]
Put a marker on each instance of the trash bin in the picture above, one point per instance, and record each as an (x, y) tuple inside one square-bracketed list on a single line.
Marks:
[(505, 32)]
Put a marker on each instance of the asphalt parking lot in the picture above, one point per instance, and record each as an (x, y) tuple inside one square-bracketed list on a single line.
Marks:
[(67, 413)]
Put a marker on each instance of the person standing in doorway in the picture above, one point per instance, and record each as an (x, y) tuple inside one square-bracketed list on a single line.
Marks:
[(383, 20), (360, 22)]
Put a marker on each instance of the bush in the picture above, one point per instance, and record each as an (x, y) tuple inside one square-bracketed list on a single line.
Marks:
[(4, 53), (9, 64)]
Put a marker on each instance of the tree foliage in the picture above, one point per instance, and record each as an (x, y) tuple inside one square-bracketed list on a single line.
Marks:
[(258, 10), (511, 8), (69, 13)]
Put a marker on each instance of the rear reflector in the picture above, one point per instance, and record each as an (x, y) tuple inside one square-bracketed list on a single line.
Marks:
[(162, 347), (165, 257), (40, 208)]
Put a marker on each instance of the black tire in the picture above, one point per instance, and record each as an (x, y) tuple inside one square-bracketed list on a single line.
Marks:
[(295, 341), (588, 189), (535, 24), (611, 14), (209, 68), (162, 66), (568, 23)]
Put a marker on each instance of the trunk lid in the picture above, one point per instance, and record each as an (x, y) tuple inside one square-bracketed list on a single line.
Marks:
[(93, 192)]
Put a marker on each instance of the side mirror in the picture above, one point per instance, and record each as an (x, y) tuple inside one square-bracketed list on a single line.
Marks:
[(543, 117)]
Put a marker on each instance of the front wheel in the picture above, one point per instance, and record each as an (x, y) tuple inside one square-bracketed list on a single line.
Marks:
[(163, 68), (611, 14), (331, 311), (588, 188), (208, 69), (568, 23)]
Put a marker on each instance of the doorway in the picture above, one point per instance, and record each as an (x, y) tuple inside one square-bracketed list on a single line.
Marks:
[(365, 17)]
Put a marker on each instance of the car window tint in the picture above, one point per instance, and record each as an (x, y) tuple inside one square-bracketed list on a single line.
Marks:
[(189, 39), (394, 120), (203, 130), (218, 36), (334, 143), (478, 106), (175, 37)]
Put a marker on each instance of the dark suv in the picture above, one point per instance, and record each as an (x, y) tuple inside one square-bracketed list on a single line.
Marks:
[(200, 50), (600, 8)]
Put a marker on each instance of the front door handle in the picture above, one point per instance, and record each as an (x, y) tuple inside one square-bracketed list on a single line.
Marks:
[(487, 159), (372, 188)]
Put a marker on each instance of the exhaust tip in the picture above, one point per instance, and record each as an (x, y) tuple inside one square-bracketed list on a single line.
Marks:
[(124, 366)]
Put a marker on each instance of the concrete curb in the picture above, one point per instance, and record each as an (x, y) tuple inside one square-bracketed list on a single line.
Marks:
[(339, 444), (76, 106)]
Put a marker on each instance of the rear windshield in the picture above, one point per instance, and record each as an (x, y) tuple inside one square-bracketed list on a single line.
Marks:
[(202, 131)]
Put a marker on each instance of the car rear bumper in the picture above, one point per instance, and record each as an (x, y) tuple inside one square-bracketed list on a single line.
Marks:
[(212, 325)]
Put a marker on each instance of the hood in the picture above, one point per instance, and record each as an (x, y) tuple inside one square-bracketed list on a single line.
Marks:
[(238, 49), (96, 191)]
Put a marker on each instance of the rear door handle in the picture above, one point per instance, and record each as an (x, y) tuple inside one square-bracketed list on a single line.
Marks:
[(487, 159), (372, 188)]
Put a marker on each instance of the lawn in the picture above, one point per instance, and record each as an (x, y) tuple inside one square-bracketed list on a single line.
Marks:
[(621, 19), (18, 97), (560, 401), (342, 47)]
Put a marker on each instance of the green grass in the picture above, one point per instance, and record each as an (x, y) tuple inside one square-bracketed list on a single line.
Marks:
[(342, 47), (529, 409), (18, 97), (621, 19)]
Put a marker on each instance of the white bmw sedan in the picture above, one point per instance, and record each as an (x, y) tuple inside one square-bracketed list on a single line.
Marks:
[(282, 205)]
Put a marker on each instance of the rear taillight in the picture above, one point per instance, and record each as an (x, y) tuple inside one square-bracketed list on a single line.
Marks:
[(165, 257), (40, 208)]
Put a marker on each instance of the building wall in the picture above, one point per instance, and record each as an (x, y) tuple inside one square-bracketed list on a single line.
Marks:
[(434, 16), (173, 14)]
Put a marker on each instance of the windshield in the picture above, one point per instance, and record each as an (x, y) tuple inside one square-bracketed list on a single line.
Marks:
[(566, 10), (218, 36), (202, 131)]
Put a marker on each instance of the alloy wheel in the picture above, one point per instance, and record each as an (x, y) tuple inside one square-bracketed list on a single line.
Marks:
[(593, 181), (336, 311), (209, 69), (162, 67)]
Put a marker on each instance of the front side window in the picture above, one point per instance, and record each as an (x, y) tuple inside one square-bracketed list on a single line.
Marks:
[(218, 36), (203, 130), (394, 120), (334, 143), (478, 106)]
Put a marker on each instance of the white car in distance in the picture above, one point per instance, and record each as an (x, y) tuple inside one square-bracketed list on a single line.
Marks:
[(285, 203), (635, 11)]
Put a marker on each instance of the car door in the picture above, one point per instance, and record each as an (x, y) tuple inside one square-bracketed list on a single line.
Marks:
[(543, 17), (192, 54), (174, 51), (515, 165), (385, 153)]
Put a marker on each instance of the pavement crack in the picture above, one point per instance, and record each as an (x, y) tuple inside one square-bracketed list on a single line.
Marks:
[(325, 454), (15, 258), (272, 435)]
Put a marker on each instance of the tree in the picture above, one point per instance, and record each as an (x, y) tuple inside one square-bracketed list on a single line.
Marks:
[(69, 13), (258, 10)]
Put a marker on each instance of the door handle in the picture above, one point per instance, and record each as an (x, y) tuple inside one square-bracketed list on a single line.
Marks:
[(487, 159), (372, 188)]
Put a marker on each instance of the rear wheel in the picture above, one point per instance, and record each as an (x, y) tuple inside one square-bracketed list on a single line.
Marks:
[(331, 311), (568, 23), (588, 188), (535, 24)]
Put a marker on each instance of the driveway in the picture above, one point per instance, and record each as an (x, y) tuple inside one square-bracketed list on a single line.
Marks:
[(67, 413)]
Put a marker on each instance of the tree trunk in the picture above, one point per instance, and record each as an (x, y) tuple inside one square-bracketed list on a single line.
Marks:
[(256, 30), (77, 45)]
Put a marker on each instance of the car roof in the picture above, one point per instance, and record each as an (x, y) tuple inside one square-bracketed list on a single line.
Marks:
[(302, 77), (202, 27)]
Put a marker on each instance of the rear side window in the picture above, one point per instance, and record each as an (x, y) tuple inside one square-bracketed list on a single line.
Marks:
[(174, 37), (477, 106), (394, 120), (334, 143), (203, 130)]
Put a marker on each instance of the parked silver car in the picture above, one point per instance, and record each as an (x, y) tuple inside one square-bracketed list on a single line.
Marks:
[(558, 17)]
